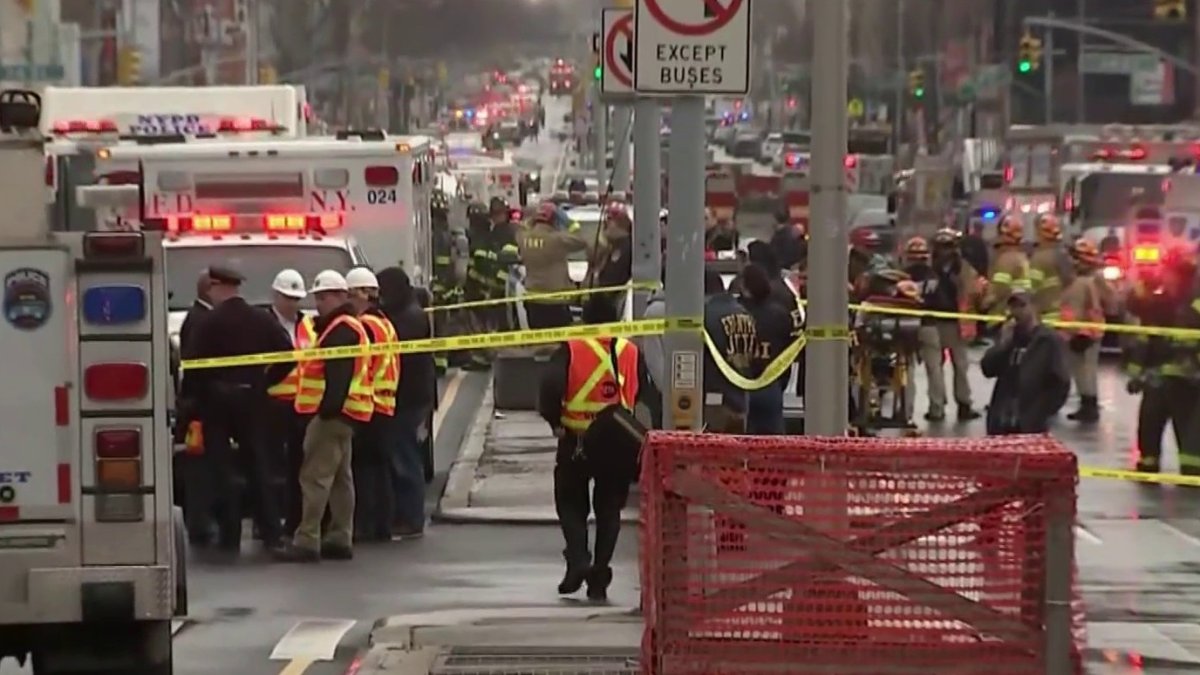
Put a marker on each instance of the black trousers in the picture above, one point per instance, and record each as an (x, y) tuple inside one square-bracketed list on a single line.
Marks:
[(1176, 401), (547, 315), (286, 437), (373, 498), (573, 482), (239, 414)]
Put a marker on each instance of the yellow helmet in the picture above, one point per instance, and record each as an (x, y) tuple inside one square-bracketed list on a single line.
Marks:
[(946, 237), (1048, 228), (1011, 232), (917, 249), (1085, 253)]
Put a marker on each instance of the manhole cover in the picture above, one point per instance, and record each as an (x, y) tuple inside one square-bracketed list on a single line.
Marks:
[(536, 661)]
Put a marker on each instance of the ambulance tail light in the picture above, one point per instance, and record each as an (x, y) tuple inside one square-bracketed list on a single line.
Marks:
[(242, 124), (792, 160), (381, 176), (84, 127), (118, 459), (506, 180), (850, 162), (316, 223), (1009, 173), (113, 245)]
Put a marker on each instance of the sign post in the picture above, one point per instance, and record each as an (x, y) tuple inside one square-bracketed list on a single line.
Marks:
[(685, 50), (616, 86), (826, 412)]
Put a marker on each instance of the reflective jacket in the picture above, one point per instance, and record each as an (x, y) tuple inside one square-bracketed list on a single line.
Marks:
[(1010, 270), (358, 402), (592, 384), (1081, 302), (384, 368), (304, 338), (1049, 273), (1162, 355)]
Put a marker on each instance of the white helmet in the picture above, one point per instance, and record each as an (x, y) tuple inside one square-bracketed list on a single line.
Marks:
[(289, 283), (361, 277), (329, 280)]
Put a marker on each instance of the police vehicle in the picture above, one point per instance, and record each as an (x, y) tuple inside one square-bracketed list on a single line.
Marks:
[(93, 553)]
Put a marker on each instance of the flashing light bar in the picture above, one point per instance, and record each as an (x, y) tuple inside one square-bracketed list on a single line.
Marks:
[(235, 124), (303, 222), (218, 224), (1146, 255), (792, 160), (1134, 154), (85, 127)]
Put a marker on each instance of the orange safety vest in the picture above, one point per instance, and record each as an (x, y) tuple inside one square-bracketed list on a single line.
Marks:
[(360, 403), (592, 385), (385, 368), (304, 338)]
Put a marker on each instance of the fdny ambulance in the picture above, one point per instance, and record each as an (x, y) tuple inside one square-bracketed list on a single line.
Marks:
[(306, 204), (78, 122), (482, 177), (92, 552)]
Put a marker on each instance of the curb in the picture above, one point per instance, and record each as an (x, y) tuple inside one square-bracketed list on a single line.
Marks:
[(456, 495), (399, 631), (508, 515)]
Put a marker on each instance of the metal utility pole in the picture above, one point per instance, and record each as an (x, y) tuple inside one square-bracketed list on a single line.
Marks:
[(647, 199), (685, 250), (1081, 77), (252, 44), (826, 412), (600, 149), (902, 71), (1048, 72), (622, 160)]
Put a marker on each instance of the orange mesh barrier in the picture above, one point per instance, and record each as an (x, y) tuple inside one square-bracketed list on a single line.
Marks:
[(859, 556)]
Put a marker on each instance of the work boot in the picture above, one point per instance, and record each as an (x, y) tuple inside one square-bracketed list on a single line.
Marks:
[(597, 582), (296, 554), (935, 415), (336, 552), (966, 413), (577, 573), (1089, 410), (1147, 464)]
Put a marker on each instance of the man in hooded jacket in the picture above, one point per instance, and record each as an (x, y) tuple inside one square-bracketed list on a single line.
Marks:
[(1028, 363)]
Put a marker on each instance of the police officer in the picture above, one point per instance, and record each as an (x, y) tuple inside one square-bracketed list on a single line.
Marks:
[(584, 377), (234, 408), (1165, 371), (1050, 267), (545, 248), (337, 397), (287, 428), (374, 501), (1010, 267), (1083, 301), (447, 282)]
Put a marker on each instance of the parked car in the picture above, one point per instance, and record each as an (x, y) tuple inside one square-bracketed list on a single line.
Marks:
[(775, 142), (747, 144)]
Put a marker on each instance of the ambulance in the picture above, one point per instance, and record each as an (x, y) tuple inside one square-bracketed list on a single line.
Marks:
[(482, 177), (92, 552), (306, 204), (77, 122)]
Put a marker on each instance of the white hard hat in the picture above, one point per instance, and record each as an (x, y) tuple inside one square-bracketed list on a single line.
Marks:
[(361, 277), (329, 280), (289, 283)]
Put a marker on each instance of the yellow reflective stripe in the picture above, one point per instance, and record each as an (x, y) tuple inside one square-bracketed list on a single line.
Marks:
[(441, 260), (575, 424), (1001, 278), (1188, 460), (580, 399), (573, 227), (1036, 274), (1196, 305), (1022, 283), (510, 248)]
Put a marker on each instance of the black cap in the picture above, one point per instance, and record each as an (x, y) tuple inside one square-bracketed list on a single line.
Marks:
[(222, 274)]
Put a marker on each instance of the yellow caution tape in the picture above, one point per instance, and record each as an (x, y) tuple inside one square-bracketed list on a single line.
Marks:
[(770, 374), (549, 297), (827, 333), (516, 338), (1140, 476)]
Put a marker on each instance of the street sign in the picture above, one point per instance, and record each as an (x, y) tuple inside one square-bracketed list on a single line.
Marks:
[(617, 55), (1153, 87), (692, 47), (855, 108), (31, 72), (1117, 63)]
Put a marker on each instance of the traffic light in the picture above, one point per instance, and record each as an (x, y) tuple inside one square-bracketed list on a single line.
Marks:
[(597, 67), (1170, 10), (129, 66), (597, 72), (1029, 56), (916, 84)]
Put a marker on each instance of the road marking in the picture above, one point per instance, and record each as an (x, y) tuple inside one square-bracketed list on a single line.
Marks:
[(177, 625), (558, 167), (1082, 533), (448, 397), (311, 640), (1178, 533), (296, 667)]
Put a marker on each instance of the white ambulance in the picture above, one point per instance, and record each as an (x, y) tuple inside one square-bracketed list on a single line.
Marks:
[(308, 204), (92, 553), (482, 177), (79, 121)]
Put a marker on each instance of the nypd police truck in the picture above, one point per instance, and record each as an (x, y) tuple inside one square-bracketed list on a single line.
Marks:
[(92, 552)]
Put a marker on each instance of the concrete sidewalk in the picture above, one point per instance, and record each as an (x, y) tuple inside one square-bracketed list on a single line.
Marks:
[(504, 472)]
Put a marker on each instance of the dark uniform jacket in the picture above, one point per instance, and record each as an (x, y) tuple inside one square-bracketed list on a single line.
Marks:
[(235, 328), (732, 330), (1032, 382)]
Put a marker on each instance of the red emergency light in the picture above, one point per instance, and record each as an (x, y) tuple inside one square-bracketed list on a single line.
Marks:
[(792, 160), (303, 222), (1136, 153), (85, 127), (236, 124), (851, 161), (1146, 255)]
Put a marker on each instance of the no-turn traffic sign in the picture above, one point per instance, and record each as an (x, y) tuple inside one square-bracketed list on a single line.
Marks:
[(617, 54), (692, 47)]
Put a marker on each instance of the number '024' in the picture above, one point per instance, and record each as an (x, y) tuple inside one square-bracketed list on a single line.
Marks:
[(375, 197)]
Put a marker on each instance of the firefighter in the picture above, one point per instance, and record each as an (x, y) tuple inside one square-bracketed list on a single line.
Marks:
[(371, 457), (503, 245), (953, 287), (447, 280), (1050, 267), (1082, 300), (545, 247), (479, 286), (1164, 370), (1010, 267)]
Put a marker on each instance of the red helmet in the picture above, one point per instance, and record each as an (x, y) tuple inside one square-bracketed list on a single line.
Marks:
[(546, 212), (865, 238), (617, 210)]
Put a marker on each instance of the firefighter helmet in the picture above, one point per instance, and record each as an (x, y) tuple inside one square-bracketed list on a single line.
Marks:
[(546, 212), (498, 205), (946, 237), (1085, 253), (865, 238), (1048, 228), (439, 204), (1011, 232), (917, 249), (477, 210)]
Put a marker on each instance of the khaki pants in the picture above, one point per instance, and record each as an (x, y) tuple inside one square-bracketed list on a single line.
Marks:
[(1083, 367), (326, 479), (944, 335)]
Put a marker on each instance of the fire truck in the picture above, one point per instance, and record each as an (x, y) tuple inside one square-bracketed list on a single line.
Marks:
[(81, 121)]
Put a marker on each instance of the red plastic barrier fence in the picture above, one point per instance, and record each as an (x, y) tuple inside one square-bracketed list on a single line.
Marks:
[(859, 556)]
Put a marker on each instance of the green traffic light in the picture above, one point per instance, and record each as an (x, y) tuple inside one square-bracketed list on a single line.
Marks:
[(1024, 66), (598, 72), (919, 92)]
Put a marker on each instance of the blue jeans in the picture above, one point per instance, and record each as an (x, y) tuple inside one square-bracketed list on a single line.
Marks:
[(765, 416), (408, 469)]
